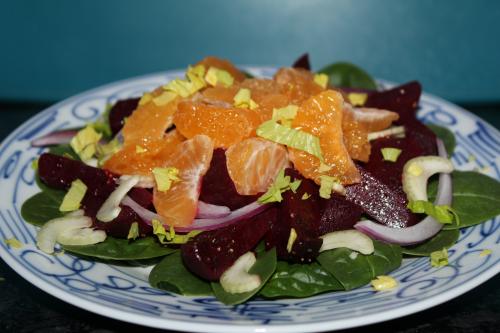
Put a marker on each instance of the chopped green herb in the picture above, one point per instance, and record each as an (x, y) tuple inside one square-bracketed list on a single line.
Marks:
[(243, 99), (390, 154), (133, 232), (442, 213), (164, 177), (13, 243), (217, 76), (73, 197), (84, 143), (291, 137), (439, 258)]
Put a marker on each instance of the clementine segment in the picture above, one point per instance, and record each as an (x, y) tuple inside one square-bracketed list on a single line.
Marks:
[(297, 83), (178, 205), (135, 159), (374, 119), (149, 122), (254, 163), (321, 115), (355, 136), (225, 125)]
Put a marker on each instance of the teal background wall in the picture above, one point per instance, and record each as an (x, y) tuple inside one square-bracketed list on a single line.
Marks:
[(52, 49)]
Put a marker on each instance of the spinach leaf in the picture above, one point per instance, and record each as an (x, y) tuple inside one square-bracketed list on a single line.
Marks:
[(385, 258), (171, 275), (42, 207), (443, 239), (64, 150), (122, 249), (299, 280), (446, 135), (349, 267), (347, 75), (476, 198), (264, 267), (354, 270)]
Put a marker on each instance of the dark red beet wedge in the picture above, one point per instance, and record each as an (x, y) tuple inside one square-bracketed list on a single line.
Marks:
[(404, 100), (381, 202), (218, 188), (59, 172), (302, 62), (302, 215), (121, 110), (389, 172), (210, 253), (339, 214)]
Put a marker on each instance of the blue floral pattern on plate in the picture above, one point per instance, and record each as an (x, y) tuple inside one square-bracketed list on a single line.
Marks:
[(124, 293)]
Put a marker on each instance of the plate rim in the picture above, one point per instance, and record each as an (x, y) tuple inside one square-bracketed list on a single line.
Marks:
[(166, 323)]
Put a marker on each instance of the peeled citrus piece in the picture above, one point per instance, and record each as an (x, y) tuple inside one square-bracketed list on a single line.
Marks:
[(192, 158), (134, 159), (220, 93), (224, 124), (321, 115), (149, 122), (224, 65), (374, 119), (297, 83), (254, 163), (355, 136)]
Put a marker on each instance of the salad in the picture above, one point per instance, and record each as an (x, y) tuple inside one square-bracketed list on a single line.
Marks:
[(242, 187)]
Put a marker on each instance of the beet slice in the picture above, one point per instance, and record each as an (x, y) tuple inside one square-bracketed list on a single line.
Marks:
[(217, 187), (59, 172), (302, 215), (210, 253), (380, 201), (339, 214), (302, 62), (121, 110), (388, 172), (404, 99)]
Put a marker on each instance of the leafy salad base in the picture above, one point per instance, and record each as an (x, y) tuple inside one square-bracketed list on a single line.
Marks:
[(123, 293)]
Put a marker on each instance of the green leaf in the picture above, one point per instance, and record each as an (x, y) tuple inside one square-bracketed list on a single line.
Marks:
[(476, 198), (446, 136), (122, 249), (349, 267), (347, 75), (299, 280), (354, 270), (171, 275), (264, 267), (443, 239), (385, 258), (42, 207), (64, 150)]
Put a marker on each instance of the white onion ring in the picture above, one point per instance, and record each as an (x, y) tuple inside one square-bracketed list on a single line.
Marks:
[(421, 231), (207, 224), (54, 138)]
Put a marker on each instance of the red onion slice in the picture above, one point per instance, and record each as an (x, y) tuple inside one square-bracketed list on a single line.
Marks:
[(244, 212), (55, 138), (421, 231), (209, 211)]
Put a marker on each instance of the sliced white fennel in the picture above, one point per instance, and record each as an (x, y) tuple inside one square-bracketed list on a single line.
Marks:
[(236, 278), (110, 209), (351, 239)]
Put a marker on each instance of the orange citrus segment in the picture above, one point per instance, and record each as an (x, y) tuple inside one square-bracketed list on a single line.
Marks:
[(224, 65), (254, 163), (178, 205), (355, 136), (224, 124), (321, 115), (149, 122), (135, 159), (298, 84), (221, 93), (374, 119)]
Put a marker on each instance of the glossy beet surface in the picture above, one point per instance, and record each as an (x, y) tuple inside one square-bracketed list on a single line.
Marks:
[(302, 62), (210, 253), (59, 172), (121, 110), (217, 187), (404, 100), (381, 202)]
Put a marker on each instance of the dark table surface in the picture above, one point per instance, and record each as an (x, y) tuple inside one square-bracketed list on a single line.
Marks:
[(25, 308)]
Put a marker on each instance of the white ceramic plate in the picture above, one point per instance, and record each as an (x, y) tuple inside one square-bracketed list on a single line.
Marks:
[(124, 293)]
